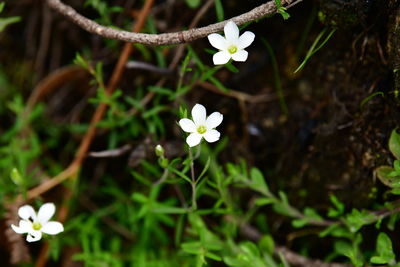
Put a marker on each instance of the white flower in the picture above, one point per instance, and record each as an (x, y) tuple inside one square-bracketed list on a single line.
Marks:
[(232, 46), (35, 224), (201, 126)]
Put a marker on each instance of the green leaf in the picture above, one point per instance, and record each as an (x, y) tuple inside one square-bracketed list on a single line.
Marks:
[(250, 249), (336, 230), (183, 112), (316, 46), (180, 174), (204, 169), (338, 205), (263, 201), (384, 249), (357, 219), (387, 175), (346, 249), (213, 256), (309, 215), (4, 22), (267, 244), (396, 165), (193, 3), (16, 177), (2, 5), (298, 223), (258, 181), (219, 9), (395, 191), (160, 208), (138, 197), (394, 144), (281, 10), (194, 247)]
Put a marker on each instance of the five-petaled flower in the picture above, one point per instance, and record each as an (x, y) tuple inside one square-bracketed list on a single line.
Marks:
[(232, 46), (35, 224), (201, 126)]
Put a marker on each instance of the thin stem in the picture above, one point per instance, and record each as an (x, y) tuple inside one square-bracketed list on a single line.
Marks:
[(163, 178), (194, 203), (197, 155)]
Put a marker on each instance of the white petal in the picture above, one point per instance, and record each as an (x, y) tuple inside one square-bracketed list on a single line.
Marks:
[(34, 236), (46, 211), (240, 55), (26, 212), (245, 40), (187, 125), (52, 228), (199, 114), (217, 41), (212, 136), (193, 139), (231, 32), (214, 120), (24, 227), (221, 57)]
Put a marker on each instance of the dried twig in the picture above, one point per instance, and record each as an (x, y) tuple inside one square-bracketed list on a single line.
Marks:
[(163, 38), (133, 64), (111, 153), (241, 96)]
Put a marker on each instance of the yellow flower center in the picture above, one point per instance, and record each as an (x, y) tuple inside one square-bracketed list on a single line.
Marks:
[(36, 226), (201, 129), (232, 49)]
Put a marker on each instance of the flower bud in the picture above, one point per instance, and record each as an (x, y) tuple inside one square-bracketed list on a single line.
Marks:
[(159, 151)]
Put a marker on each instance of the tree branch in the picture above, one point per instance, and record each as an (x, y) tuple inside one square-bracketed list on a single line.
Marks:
[(263, 10)]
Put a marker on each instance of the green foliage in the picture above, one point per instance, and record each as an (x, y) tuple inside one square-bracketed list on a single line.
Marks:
[(4, 22), (277, 78), (385, 251), (317, 45), (394, 144), (281, 10), (350, 250), (105, 11), (390, 176), (219, 10), (193, 3), (368, 98)]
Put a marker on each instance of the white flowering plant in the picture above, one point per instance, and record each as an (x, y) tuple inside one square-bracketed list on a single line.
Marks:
[(201, 126), (36, 224), (232, 45)]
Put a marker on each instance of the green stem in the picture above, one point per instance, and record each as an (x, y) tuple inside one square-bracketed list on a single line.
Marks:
[(194, 203)]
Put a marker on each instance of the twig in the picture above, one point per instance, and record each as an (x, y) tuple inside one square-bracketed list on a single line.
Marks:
[(163, 38), (241, 96), (149, 67), (44, 42), (111, 152), (299, 260)]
